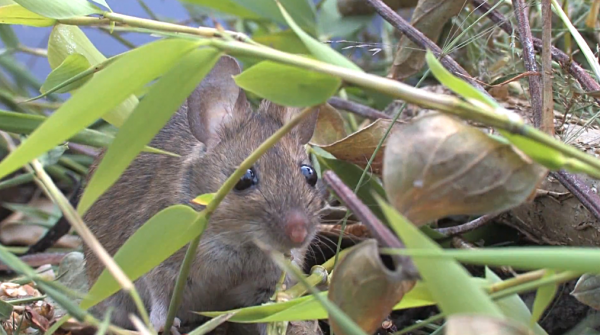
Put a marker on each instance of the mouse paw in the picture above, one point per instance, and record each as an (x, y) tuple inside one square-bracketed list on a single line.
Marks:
[(159, 324)]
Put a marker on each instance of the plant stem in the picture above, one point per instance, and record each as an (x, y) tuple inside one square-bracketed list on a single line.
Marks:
[(500, 118)]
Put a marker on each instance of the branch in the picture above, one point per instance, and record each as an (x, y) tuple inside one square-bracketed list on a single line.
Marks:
[(421, 40), (356, 108)]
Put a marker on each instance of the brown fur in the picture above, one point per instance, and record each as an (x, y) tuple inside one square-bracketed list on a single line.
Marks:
[(229, 270)]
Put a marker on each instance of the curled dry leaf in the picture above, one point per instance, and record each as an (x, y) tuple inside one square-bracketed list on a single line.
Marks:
[(359, 146), (330, 126), (587, 290), (365, 289), (438, 166), (478, 324)]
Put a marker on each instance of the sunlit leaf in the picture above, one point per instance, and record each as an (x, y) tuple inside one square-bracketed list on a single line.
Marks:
[(150, 115), (60, 9), (438, 166), (160, 237), (297, 88), (465, 324), (72, 65), (102, 93), (513, 306), (66, 40), (321, 51), (452, 291), (204, 199), (17, 14), (543, 297)]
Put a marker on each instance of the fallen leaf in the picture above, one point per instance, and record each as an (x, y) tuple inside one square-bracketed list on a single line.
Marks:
[(365, 288), (587, 290), (438, 166), (330, 126), (359, 146)]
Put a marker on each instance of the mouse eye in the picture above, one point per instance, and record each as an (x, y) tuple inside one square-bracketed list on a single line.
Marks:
[(248, 180), (309, 173)]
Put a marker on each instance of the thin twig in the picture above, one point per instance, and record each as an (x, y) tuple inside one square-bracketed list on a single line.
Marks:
[(379, 231), (535, 82), (586, 81), (580, 190), (547, 121), (467, 227), (421, 40), (356, 108)]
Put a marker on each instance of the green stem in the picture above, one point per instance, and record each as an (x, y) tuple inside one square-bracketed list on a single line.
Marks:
[(501, 118)]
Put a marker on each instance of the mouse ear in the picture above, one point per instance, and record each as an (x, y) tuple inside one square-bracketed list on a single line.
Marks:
[(215, 101), (306, 128)]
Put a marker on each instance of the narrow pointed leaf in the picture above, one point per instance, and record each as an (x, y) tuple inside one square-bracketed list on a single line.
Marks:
[(320, 50), (452, 291), (102, 93), (150, 115), (160, 237), (17, 14), (60, 9), (70, 67), (297, 88), (543, 298), (66, 40)]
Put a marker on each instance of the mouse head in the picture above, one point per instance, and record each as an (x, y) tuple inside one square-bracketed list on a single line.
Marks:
[(277, 200)]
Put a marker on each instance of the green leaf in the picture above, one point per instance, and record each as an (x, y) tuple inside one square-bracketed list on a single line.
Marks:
[(103, 3), (513, 306), (5, 310), (70, 67), (204, 199), (52, 156), (451, 291), (66, 40), (16, 14), (25, 124), (150, 115), (8, 36), (102, 93), (297, 88), (321, 51), (160, 237), (60, 9), (301, 10), (543, 297), (332, 24), (577, 259)]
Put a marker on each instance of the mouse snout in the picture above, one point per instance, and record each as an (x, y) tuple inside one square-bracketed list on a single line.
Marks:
[(296, 227)]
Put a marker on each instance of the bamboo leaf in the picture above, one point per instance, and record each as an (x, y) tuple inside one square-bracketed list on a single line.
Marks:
[(149, 246), (66, 40), (17, 14), (150, 115), (70, 67), (543, 297), (102, 93), (297, 88), (60, 9), (319, 50)]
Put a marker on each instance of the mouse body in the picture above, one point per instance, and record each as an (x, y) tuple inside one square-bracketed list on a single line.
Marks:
[(276, 202)]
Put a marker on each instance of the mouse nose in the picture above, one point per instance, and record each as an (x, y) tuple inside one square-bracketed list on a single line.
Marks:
[(296, 227)]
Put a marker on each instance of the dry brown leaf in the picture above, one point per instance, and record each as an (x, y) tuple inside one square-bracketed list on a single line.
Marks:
[(330, 126), (429, 17), (438, 166), (480, 324), (359, 146), (587, 290), (37, 320), (365, 289)]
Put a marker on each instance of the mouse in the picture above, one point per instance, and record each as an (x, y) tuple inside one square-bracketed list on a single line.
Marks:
[(276, 202)]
